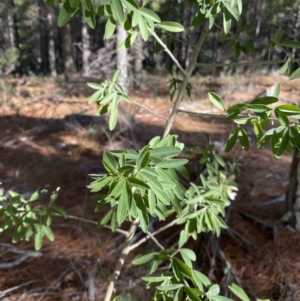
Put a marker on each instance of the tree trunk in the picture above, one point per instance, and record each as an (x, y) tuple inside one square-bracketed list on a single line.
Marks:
[(85, 48), (43, 37), (51, 48), (293, 192), (137, 49), (13, 25), (122, 59), (67, 47)]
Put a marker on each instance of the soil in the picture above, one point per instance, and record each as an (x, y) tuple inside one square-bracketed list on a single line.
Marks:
[(51, 138)]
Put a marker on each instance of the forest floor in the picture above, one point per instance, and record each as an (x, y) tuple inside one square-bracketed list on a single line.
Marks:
[(49, 138)]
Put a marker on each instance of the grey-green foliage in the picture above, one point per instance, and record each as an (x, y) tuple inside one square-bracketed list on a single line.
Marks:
[(145, 184), (27, 217), (141, 184), (284, 133)]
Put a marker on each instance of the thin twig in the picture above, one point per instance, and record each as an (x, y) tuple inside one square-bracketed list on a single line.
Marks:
[(221, 116), (167, 50), (257, 63), (89, 221), (9, 290), (185, 80), (149, 110), (147, 237), (155, 240)]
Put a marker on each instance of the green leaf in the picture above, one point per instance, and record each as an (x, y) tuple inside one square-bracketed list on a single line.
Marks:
[(214, 290), (143, 259), (295, 74), (105, 219), (152, 180), (266, 100), (290, 44), (171, 26), (109, 162), (89, 17), (239, 292), (201, 279), (117, 188), (233, 11), (48, 232), (65, 13), (124, 202), (171, 287), (283, 143), (38, 238), (143, 158), (117, 9), (161, 196), (192, 293), (116, 75), (165, 152), (143, 27), (173, 163), (182, 268), (113, 222), (188, 256), (226, 21), (86, 4), (149, 14), (243, 138), (240, 6), (125, 45), (59, 210), (289, 110), (284, 120), (95, 96), (276, 90), (219, 298), (36, 195), (285, 66), (257, 128), (98, 185), (217, 101), (94, 86), (142, 212), (231, 140), (131, 4), (113, 119), (138, 183), (110, 28), (154, 279)]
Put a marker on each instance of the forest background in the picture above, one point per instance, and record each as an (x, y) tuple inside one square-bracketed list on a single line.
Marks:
[(34, 49)]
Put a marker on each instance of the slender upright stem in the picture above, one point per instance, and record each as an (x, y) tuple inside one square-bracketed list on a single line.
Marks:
[(185, 81), (124, 253), (168, 51)]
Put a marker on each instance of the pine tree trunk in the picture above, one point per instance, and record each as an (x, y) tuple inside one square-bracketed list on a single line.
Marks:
[(51, 48), (293, 192), (137, 49), (43, 37), (85, 42), (122, 59), (68, 61)]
